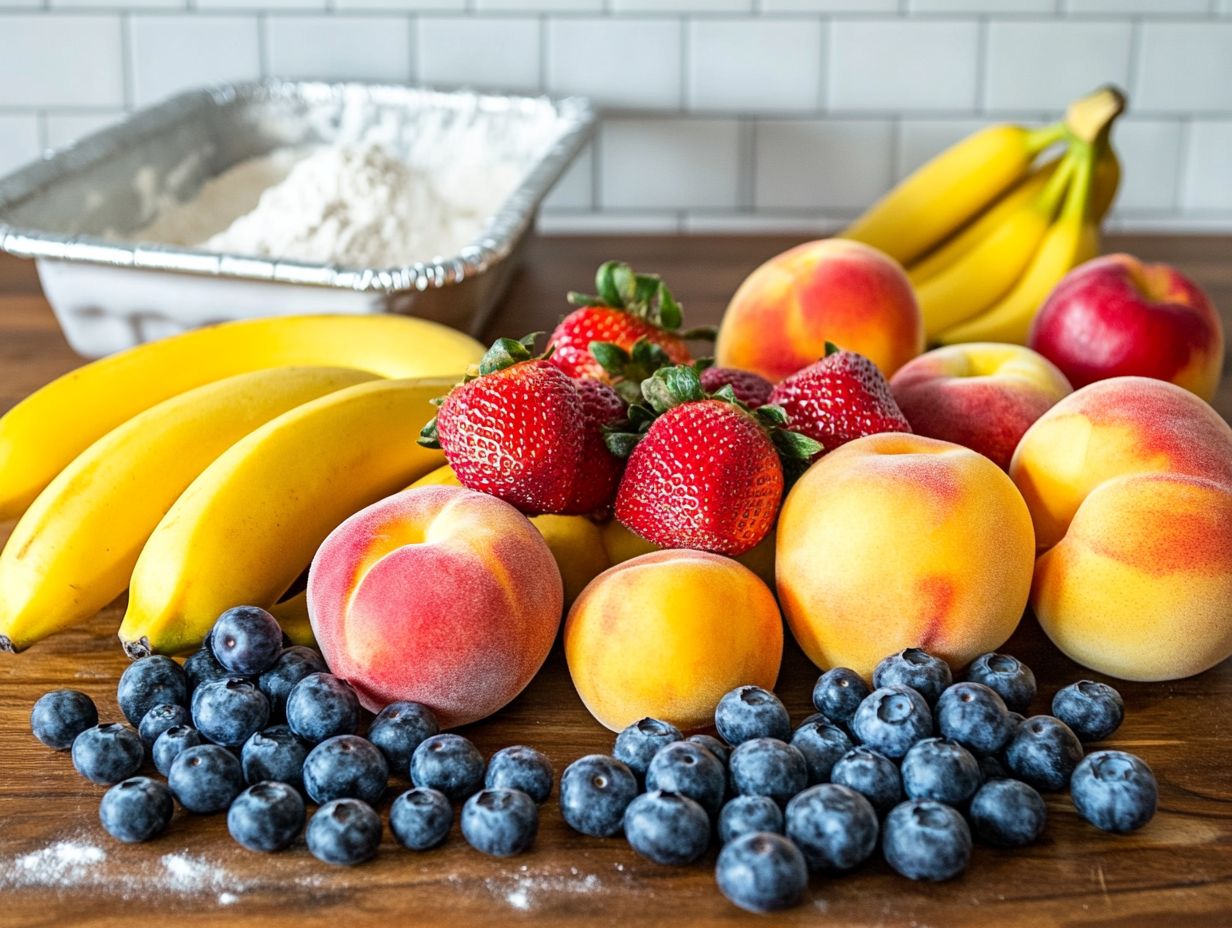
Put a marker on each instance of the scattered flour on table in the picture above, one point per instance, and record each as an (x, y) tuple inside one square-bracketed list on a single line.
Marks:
[(525, 890)]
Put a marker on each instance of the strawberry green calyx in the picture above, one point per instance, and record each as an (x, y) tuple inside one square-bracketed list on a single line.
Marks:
[(644, 295), (628, 369), (505, 352)]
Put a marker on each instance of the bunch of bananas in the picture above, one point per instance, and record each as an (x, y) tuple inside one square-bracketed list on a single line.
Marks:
[(987, 228), (204, 470)]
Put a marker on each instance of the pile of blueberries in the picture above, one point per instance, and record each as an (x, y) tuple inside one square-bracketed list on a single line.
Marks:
[(917, 766), (249, 726)]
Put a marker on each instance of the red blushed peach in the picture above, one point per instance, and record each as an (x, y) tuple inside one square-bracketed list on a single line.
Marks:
[(894, 541), (833, 290), (439, 595), (981, 395)]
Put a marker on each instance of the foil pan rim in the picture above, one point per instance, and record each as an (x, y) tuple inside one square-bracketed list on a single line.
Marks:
[(502, 229)]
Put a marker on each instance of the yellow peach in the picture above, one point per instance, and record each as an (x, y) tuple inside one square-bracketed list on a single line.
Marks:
[(666, 634), (622, 544), (894, 541)]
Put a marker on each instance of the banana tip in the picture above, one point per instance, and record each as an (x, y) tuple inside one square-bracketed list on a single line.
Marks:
[(138, 649), (6, 645)]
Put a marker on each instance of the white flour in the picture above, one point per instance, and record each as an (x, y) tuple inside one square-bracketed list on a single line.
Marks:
[(353, 205)]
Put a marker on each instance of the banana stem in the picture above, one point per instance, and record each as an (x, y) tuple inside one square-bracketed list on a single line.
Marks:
[(1078, 199), (1041, 138), (1049, 199)]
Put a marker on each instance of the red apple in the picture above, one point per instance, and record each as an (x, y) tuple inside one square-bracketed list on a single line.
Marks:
[(981, 395), (1115, 316)]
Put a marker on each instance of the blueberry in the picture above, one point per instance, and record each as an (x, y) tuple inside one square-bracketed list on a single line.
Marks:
[(975, 716), (1092, 710), (1114, 791), (941, 770), (1043, 753), (991, 768), (1008, 813), (228, 711), (246, 640), (344, 832), (275, 753), (289, 667), (149, 682), (1006, 676), (595, 790), (749, 712), (266, 816), (108, 753), (522, 768), (838, 693), (202, 667), (768, 767), (399, 729), (346, 767), (761, 872), (927, 675), (449, 763), (925, 840), (667, 828), (744, 815), (638, 743), (874, 776), (321, 706), (206, 778), (690, 770), (719, 749), (821, 743), (159, 719), (171, 743), (136, 809), (420, 818), (833, 825), (60, 716), (500, 822), (891, 719)]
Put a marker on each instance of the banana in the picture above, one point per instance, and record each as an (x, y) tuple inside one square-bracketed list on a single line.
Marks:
[(43, 433), (245, 528), (947, 192), (74, 549), (1072, 239), (991, 267)]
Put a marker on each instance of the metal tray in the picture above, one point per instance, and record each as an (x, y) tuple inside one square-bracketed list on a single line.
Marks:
[(72, 211)]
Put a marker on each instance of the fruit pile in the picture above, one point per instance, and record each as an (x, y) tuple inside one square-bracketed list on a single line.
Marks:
[(916, 766), (250, 727)]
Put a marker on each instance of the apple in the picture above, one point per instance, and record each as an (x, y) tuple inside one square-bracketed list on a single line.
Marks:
[(1116, 316), (981, 395)]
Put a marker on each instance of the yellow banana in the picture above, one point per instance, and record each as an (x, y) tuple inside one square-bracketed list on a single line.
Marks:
[(43, 433), (244, 530), (987, 272), (1072, 239), (947, 192), (74, 549)]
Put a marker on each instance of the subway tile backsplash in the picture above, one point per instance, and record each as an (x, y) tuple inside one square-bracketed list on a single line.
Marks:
[(720, 115)]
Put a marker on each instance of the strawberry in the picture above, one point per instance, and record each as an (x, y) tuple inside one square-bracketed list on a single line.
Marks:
[(751, 389), (839, 398), (523, 432), (629, 308), (600, 469), (705, 472)]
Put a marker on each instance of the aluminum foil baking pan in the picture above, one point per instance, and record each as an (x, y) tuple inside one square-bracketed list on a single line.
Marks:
[(73, 210)]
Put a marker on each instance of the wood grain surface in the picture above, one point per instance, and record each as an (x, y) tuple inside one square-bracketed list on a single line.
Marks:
[(58, 867)]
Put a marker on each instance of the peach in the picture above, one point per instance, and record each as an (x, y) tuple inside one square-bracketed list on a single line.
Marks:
[(981, 395), (437, 594), (668, 633), (1129, 483), (575, 541), (833, 290), (622, 544), (894, 541)]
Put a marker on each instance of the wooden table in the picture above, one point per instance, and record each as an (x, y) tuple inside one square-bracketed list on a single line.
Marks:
[(57, 866)]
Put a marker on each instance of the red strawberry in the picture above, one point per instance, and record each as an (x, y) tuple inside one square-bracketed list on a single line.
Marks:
[(520, 431), (706, 473), (630, 307), (839, 398), (753, 390), (600, 469)]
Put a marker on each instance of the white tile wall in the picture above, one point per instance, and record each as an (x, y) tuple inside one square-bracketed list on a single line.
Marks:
[(722, 115), (1042, 65), (891, 65)]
